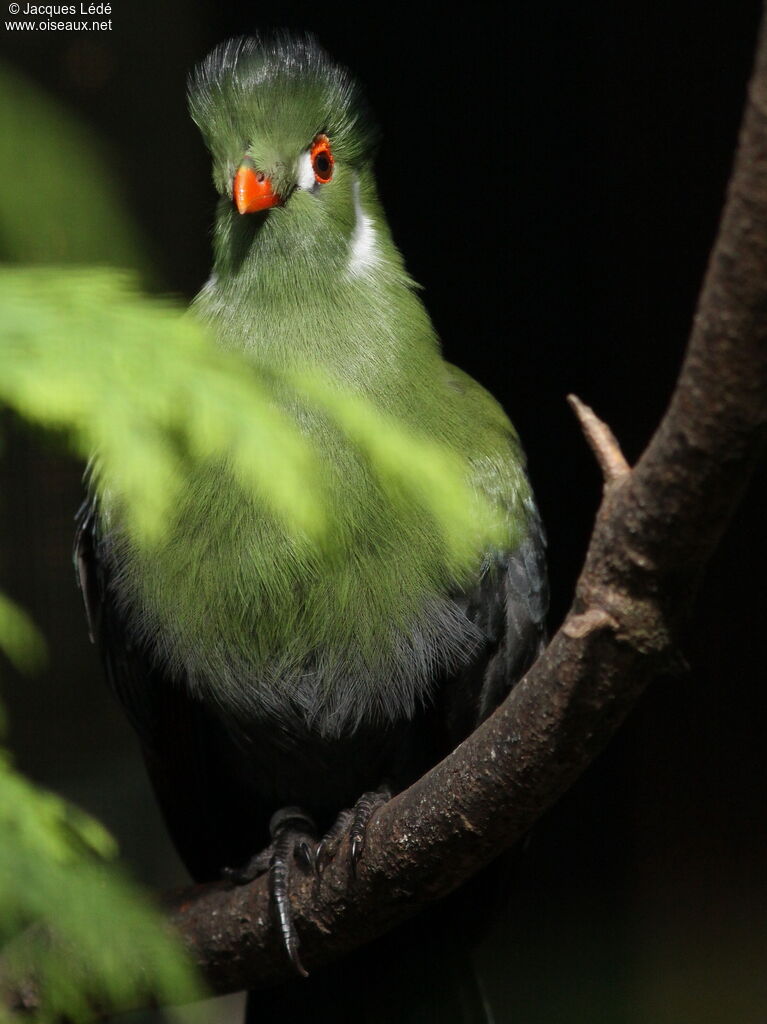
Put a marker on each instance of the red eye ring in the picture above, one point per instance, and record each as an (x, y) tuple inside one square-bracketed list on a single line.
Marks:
[(322, 159)]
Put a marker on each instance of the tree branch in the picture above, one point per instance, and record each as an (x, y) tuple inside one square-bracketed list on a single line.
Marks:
[(654, 531), (602, 442)]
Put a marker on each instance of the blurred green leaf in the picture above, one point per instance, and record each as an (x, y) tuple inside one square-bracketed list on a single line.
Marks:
[(414, 471), (59, 201), (70, 919), (95, 933), (20, 640), (139, 383)]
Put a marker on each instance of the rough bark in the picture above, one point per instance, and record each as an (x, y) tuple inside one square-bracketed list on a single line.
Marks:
[(657, 525)]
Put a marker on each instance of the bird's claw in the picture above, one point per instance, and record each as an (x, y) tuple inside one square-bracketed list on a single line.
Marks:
[(356, 822), (292, 832), (356, 853), (305, 855), (290, 829), (327, 847)]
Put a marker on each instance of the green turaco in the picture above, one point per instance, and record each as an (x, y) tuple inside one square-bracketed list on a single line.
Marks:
[(281, 688)]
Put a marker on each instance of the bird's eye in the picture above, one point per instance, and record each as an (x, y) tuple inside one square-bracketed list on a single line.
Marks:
[(322, 159)]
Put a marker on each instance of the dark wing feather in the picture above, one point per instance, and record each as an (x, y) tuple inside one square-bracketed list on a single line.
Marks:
[(509, 606), (522, 601)]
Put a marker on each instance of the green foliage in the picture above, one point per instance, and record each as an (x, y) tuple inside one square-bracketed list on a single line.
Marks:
[(69, 917), (137, 382), (94, 935), (59, 201), (20, 640)]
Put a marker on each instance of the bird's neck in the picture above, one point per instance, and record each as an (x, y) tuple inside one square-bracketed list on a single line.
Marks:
[(294, 298)]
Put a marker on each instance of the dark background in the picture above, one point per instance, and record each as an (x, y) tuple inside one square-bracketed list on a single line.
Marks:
[(553, 174)]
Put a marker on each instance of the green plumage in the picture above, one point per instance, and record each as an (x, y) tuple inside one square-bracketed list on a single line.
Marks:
[(357, 629)]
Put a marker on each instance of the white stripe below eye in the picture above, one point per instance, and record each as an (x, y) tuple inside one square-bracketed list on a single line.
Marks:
[(363, 255), (304, 172)]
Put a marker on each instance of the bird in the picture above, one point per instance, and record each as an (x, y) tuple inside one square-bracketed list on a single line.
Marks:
[(281, 696)]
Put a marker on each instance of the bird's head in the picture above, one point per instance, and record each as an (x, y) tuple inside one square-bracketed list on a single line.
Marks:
[(289, 133)]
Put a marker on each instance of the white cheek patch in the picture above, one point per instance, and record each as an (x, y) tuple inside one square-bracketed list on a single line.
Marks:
[(364, 255), (304, 172)]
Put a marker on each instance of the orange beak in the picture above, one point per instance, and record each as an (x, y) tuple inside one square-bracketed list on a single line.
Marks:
[(253, 190)]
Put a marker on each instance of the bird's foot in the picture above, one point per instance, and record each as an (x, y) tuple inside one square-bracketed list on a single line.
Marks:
[(293, 839), (355, 821)]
